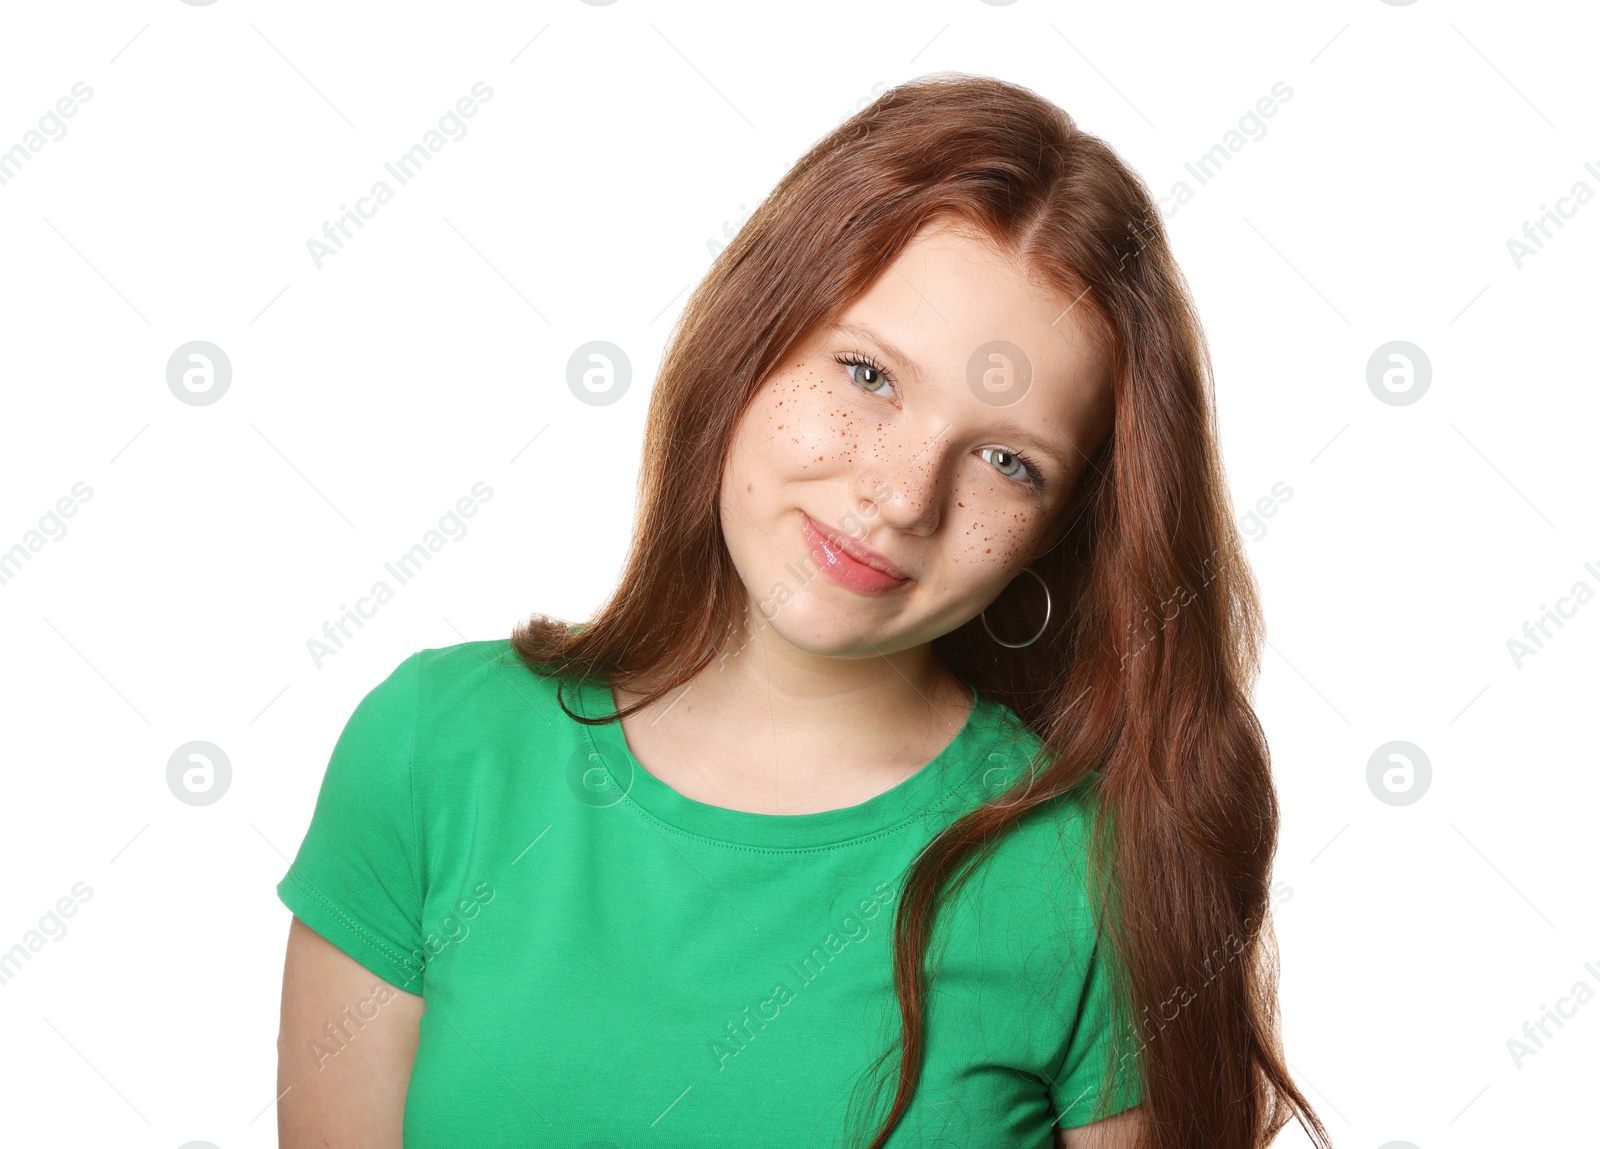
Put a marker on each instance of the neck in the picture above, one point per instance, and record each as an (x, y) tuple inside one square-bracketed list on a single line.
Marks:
[(870, 707)]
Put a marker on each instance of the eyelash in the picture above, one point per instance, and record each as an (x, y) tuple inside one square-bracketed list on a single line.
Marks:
[(1036, 479)]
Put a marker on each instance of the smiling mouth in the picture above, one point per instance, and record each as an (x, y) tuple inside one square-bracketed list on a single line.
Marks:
[(849, 563)]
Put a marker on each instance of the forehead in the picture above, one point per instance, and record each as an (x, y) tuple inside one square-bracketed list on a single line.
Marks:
[(950, 303)]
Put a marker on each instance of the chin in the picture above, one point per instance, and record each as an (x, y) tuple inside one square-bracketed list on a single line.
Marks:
[(846, 627)]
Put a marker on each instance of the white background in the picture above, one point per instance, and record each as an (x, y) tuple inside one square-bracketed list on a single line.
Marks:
[(369, 395)]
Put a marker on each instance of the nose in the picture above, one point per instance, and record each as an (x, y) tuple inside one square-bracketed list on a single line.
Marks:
[(905, 481)]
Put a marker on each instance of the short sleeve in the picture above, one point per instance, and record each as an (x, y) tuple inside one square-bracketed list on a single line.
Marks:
[(355, 879), (1078, 1084)]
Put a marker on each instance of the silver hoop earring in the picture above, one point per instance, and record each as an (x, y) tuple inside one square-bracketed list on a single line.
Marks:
[(1017, 645)]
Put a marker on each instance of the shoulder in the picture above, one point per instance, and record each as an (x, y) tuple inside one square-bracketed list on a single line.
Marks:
[(1059, 824), (491, 736), (1052, 840), (1038, 878), (1025, 914), (466, 662), (477, 694), (485, 673)]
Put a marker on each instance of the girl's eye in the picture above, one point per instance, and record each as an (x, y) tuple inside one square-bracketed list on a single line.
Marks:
[(864, 372), (1026, 472)]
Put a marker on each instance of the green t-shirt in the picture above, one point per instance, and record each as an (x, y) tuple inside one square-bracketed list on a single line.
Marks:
[(604, 960)]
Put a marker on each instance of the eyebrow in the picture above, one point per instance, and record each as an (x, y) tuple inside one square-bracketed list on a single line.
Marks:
[(914, 369)]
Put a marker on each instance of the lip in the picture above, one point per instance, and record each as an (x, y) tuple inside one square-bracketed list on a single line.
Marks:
[(848, 562)]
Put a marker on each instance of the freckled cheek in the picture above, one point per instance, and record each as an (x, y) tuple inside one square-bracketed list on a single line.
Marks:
[(818, 437), (986, 546)]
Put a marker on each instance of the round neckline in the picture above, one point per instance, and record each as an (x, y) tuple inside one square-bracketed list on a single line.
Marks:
[(926, 789)]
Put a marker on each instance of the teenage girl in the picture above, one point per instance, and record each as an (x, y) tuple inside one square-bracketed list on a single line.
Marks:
[(906, 790)]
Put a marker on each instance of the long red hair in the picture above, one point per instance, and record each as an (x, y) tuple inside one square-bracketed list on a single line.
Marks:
[(1138, 689)]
